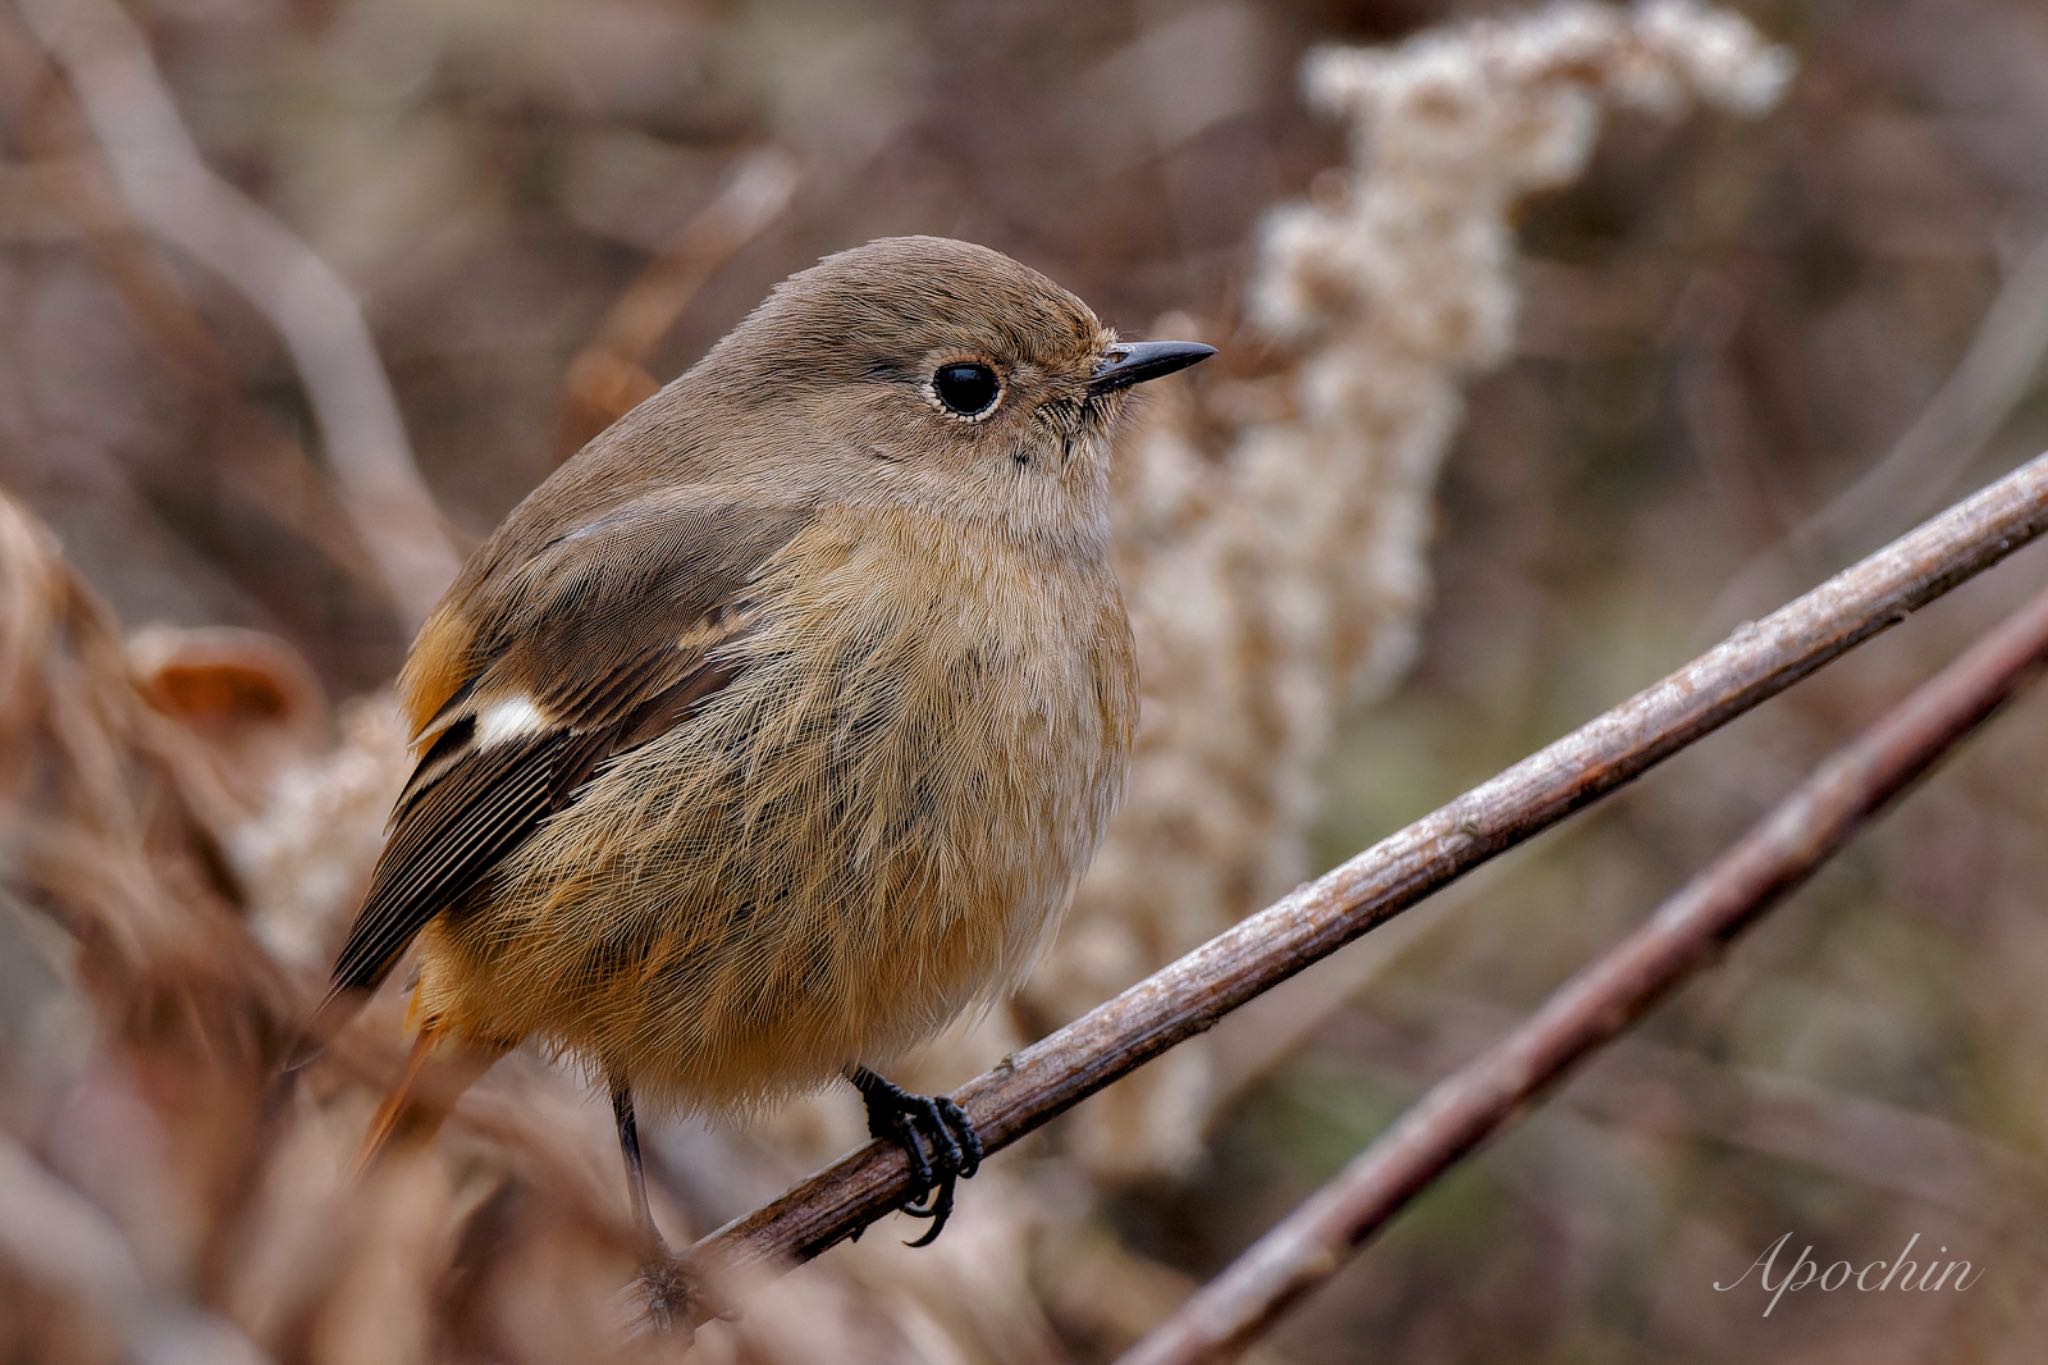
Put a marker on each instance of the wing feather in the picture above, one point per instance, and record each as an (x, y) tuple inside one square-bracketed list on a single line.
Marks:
[(612, 648)]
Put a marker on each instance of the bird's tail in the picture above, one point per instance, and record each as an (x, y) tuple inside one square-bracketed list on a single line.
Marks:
[(439, 1069)]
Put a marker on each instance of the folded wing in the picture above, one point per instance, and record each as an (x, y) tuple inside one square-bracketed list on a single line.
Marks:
[(613, 634)]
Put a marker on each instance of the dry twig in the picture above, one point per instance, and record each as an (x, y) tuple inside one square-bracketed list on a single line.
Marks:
[(1685, 936), (609, 375), (172, 190), (1996, 373), (1756, 662), (259, 460), (1642, 1085)]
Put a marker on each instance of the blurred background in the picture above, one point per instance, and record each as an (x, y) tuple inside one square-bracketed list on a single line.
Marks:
[(299, 297)]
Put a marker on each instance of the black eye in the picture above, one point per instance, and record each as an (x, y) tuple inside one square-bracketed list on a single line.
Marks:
[(969, 388)]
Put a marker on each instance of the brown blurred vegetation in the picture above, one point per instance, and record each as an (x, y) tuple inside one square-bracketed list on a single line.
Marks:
[(545, 206)]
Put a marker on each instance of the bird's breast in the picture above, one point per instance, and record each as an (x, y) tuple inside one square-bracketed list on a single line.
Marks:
[(975, 696), (875, 825)]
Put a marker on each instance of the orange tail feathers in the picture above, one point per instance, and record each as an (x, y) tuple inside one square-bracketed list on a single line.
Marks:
[(439, 1069)]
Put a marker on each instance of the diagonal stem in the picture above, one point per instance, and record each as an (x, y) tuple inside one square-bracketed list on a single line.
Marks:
[(1756, 662), (172, 190), (1685, 936)]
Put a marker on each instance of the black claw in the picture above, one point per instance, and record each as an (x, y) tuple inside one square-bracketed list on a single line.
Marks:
[(934, 1133), (902, 1129), (940, 1211), (961, 1127)]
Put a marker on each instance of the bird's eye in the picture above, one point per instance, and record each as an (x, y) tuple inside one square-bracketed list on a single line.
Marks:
[(968, 388)]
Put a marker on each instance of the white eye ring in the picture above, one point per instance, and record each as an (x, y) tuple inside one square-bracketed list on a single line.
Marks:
[(965, 390)]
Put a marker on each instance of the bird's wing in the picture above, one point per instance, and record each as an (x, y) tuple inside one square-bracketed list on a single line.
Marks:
[(607, 638)]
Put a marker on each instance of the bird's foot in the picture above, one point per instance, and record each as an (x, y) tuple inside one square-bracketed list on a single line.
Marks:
[(934, 1133)]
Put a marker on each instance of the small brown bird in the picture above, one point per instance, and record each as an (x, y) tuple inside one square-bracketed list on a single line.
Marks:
[(776, 728)]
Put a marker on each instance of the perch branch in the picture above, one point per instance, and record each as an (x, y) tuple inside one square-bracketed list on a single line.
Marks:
[(1183, 999), (171, 190), (1682, 938)]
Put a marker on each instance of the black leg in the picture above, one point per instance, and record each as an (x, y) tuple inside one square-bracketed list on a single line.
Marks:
[(636, 1172), (934, 1133), (664, 1281)]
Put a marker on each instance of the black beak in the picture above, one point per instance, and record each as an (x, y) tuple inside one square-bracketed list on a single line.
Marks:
[(1134, 362)]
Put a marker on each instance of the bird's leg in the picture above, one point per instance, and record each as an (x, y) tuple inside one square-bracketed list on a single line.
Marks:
[(664, 1278), (636, 1170), (933, 1132)]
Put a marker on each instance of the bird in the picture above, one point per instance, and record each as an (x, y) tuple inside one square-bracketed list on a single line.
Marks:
[(775, 729)]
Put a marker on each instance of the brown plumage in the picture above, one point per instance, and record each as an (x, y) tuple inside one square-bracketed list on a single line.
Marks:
[(776, 728)]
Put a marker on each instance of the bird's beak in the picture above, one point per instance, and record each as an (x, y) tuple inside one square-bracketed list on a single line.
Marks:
[(1134, 362)]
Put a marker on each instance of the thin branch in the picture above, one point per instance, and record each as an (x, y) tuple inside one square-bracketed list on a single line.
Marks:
[(259, 460), (173, 191), (609, 375), (1996, 373), (1685, 936), (1850, 1138), (1756, 662)]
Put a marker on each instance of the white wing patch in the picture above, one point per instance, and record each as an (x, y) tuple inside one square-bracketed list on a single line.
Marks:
[(512, 718)]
